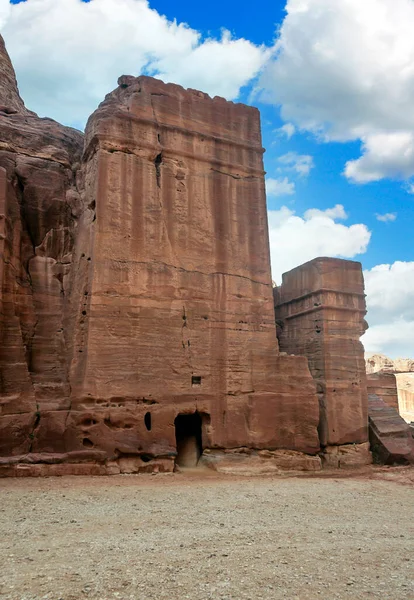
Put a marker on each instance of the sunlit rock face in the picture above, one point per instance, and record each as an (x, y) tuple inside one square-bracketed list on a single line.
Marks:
[(136, 287), (320, 310)]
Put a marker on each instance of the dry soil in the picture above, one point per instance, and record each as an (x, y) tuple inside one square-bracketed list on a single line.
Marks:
[(184, 536)]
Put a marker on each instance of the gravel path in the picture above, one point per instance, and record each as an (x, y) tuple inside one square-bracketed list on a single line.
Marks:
[(181, 536)]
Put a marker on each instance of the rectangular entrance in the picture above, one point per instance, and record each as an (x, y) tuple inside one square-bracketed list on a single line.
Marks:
[(188, 439)]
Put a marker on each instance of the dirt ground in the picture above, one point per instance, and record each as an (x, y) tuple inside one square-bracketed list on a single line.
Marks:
[(200, 537)]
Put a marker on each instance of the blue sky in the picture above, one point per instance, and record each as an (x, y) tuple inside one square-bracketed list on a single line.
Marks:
[(337, 74)]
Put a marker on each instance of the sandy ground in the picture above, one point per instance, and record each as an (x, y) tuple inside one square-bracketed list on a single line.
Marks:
[(185, 536)]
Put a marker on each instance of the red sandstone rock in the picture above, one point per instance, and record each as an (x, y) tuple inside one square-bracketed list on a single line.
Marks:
[(38, 160), (135, 286), (10, 101), (390, 436), (384, 385), (349, 455), (320, 310), (242, 461)]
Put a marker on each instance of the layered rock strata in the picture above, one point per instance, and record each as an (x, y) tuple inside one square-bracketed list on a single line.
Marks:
[(320, 309), (380, 367), (390, 436), (384, 385), (136, 301), (38, 197)]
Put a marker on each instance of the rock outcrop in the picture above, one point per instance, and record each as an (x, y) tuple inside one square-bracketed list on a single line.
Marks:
[(390, 436), (381, 370), (384, 385), (320, 309), (136, 299), (10, 100), (380, 362), (38, 171)]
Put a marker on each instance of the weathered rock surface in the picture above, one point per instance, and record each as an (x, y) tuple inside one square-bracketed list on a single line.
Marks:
[(320, 309), (135, 286), (241, 461), (405, 386), (349, 455), (390, 436), (384, 385), (174, 290), (38, 160), (380, 362), (10, 100), (382, 369)]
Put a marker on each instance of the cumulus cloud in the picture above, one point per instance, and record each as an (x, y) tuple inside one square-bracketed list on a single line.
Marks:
[(344, 71), (295, 240), (301, 164), (383, 155), (68, 54), (390, 302), (387, 217), (279, 187)]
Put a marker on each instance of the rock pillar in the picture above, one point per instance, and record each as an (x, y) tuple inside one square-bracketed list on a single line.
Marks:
[(320, 309)]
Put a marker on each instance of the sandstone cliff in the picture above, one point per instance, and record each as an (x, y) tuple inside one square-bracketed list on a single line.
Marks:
[(136, 298), (38, 192)]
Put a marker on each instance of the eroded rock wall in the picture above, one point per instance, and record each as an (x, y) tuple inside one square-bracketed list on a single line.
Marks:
[(380, 367), (179, 311), (384, 385), (38, 162), (320, 309), (390, 436), (135, 286)]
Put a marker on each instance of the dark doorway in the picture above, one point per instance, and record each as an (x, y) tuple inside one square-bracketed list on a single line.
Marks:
[(188, 439)]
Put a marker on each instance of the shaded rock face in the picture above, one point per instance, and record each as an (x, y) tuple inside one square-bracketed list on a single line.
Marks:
[(38, 159), (384, 385), (320, 309), (390, 436), (135, 286)]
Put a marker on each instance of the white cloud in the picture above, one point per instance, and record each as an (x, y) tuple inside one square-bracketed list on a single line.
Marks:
[(387, 217), (384, 155), (279, 187), (68, 54), (288, 130), (344, 70), (299, 163), (295, 240), (336, 212), (390, 302), (393, 338)]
